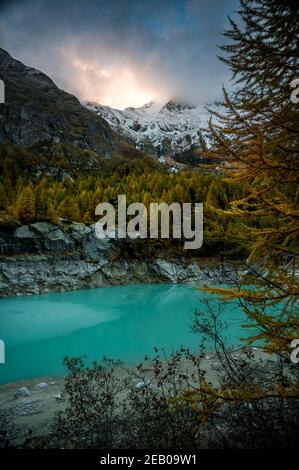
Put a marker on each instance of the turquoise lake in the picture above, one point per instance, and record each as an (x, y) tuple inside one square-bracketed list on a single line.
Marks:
[(121, 322)]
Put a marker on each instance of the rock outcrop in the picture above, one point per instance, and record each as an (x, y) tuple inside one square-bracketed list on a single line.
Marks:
[(50, 123), (37, 110), (44, 257)]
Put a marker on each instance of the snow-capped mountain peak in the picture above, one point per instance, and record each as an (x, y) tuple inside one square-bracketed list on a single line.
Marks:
[(165, 128)]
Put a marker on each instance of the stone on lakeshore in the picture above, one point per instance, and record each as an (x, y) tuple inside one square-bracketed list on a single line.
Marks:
[(42, 385), (22, 392), (58, 396)]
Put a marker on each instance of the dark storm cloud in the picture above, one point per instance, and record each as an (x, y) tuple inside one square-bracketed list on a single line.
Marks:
[(164, 48)]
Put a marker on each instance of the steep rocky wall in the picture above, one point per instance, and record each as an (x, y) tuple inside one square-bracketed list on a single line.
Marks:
[(36, 110), (43, 257)]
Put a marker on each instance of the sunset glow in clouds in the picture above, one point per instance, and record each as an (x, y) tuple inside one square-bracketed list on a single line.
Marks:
[(116, 87), (121, 53)]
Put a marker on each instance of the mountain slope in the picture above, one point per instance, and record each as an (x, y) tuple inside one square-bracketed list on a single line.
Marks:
[(164, 128), (37, 111)]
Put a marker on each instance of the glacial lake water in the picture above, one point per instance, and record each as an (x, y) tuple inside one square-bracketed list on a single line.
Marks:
[(121, 322)]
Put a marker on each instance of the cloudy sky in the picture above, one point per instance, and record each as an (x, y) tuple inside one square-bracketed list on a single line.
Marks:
[(122, 52)]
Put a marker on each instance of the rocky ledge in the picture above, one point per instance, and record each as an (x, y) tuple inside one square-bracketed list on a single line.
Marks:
[(44, 257)]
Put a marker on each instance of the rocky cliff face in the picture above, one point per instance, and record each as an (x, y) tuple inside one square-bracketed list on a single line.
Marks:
[(37, 111), (43, 257)]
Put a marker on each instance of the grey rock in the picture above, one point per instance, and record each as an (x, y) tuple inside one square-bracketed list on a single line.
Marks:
[(58, 397), (167, 270), (78, 230), (24, 232), (22, 392), (58, 235), (42, 386), (43, 227)]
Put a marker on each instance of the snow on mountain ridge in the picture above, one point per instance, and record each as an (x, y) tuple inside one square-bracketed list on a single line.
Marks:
[(170, 127)]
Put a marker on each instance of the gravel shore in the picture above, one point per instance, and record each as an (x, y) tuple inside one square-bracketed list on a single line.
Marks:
[(29, 416)]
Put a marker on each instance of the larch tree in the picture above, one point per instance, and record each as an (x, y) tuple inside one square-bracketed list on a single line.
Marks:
[(254, 139), (25, 206)]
